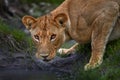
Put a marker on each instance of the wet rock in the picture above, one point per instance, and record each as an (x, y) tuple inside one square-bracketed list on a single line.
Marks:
[(58, 64)]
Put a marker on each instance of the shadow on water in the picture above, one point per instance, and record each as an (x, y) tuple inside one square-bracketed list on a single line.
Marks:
[(26, 75)]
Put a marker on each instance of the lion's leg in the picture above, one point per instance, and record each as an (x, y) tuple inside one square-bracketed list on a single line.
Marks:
[(102, 29), (68, 51)]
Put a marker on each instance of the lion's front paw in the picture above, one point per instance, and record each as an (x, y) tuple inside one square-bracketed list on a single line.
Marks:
[(90, 66), (60, 51), (65, 51)]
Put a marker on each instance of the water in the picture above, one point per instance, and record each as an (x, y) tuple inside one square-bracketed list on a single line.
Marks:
[(26, 75)]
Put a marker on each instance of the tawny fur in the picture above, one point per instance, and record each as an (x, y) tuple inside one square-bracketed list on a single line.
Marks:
[(95, 21)]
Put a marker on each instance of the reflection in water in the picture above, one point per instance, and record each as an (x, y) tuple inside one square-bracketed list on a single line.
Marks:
[(26, 75)]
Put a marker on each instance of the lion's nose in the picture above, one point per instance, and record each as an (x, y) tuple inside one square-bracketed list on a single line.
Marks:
[(44, 55)]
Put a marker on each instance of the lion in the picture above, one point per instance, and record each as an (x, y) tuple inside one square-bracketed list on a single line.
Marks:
[(85, 21)]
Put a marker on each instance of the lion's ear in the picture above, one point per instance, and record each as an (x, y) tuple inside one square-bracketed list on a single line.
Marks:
[(61, 19), (28, 21)]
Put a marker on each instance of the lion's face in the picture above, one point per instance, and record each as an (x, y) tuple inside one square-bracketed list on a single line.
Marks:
[(47, 33)]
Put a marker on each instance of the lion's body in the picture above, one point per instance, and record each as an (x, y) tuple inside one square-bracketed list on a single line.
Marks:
[(82, 14), (95, 21)]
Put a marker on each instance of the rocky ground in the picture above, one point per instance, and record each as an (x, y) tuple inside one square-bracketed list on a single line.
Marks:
[(23, 61), (23, 64)]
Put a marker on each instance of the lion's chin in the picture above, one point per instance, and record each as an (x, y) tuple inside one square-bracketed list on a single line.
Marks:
[(46, 59)]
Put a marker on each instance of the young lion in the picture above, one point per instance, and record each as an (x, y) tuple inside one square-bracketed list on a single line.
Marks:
[(95, 21)]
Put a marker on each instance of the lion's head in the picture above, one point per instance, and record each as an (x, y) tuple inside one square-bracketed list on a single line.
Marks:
[(48, 33)]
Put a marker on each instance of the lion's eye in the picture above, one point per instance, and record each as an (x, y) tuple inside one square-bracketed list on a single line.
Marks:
[(36, 37), (53, 37)]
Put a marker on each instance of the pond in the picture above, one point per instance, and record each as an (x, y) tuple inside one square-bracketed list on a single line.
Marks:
[(26, 75)]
